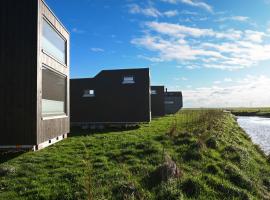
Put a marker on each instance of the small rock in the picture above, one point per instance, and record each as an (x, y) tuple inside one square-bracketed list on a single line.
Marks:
[(5, 170), (168, 170)]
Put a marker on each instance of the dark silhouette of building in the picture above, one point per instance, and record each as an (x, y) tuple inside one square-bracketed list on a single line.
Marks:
[(34, 81), (173, 102), (157, 101), (111, 97)]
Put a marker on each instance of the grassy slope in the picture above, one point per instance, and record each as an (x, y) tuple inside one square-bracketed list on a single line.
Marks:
[(217, 161), (261, 112)]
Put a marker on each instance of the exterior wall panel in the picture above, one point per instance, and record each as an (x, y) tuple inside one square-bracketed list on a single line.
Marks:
[(173, 102), (114, 102), (157, 101), (18, 36), (52, 127), (21, 61)]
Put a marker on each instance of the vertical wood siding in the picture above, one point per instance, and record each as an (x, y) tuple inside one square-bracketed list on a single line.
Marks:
[(18, 61)]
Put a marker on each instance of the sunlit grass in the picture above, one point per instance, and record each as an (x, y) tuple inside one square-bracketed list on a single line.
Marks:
[(216, 158)]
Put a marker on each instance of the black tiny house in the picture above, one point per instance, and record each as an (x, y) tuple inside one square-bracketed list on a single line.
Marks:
[(34, 81), (111, 97), (157, 101), (173, 102)]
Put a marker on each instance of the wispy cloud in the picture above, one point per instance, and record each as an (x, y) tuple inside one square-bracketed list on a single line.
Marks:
[(78, 31), (95, 49), (227, 50), (233, 18), (151, 11), (171, 13), (193, 3), (244, 92)]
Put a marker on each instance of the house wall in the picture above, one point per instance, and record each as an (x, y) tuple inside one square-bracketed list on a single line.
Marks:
[(18, 61), (114, 102), (51, 127), (176, 102), (21, 62), (157, 101)]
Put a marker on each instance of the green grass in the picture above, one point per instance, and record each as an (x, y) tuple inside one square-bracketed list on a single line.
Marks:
[(261, 112), (216, 158)]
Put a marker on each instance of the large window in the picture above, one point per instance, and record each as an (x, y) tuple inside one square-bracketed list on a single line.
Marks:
[(54, 89), (53, 43)]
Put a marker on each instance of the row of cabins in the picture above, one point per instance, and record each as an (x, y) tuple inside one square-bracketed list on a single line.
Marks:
[(120, 97), (37, 95)]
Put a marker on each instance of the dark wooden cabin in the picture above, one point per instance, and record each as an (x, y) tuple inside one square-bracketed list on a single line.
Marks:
[(34, 78), (173, 102), (157, 101), (111, 97)]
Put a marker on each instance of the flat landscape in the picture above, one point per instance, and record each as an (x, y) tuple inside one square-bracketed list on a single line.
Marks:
[(260, 112), (196, 154)]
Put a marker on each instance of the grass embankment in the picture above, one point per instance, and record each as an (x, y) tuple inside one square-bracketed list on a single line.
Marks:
[(260, 112), (215, 158)]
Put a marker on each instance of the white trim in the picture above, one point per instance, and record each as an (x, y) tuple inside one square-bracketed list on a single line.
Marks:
[(54, 117), (50, 142)]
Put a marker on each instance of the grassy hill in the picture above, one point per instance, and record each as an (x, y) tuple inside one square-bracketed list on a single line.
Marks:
[(215, 159)]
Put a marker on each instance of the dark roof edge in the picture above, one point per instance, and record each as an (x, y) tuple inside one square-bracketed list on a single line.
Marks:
[(108, 70)]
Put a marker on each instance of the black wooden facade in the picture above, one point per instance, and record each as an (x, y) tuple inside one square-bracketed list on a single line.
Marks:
[(173, 102), (112, 97), (157, 101), (23, 62)]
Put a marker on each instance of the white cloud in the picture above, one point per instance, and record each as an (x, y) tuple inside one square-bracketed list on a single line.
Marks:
[(76, 30), (234, 18), (171, 13), (94, 49), (251, 91), (217, 82), (255, 36), (194, 3), (177, 30), (228, 80), (151, 11), (181, 79), (187, 12), (227, 50)]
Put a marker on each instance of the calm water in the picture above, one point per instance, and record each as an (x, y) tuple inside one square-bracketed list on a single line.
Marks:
[(258, 129)]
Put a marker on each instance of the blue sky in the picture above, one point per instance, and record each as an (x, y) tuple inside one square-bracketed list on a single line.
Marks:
[(216, 52)]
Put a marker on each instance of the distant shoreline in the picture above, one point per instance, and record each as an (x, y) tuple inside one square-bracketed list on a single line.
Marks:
[(251, 114)]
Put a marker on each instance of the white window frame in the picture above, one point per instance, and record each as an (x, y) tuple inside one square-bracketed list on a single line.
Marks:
[(128, 80), (89, 93), (153, 92)]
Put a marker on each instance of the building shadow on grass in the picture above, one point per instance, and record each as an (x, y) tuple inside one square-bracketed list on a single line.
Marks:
[(6, 155), (78, 131)]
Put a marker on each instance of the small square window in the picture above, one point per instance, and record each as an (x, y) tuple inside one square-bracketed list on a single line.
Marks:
[(153, 92), (169, 102), (128, 80), (89, 93)]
